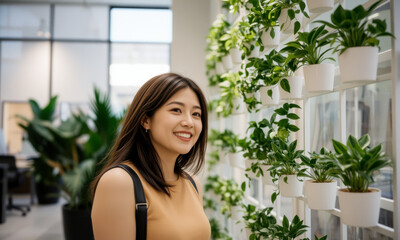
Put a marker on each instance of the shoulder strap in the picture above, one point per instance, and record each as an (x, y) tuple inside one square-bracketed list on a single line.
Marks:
[(141, 204), (192, 181)]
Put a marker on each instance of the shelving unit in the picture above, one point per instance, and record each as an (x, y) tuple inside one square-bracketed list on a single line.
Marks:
[(257, 196)]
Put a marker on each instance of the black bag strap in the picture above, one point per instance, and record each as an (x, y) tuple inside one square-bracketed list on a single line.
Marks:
[(141, 204), (192, 181)]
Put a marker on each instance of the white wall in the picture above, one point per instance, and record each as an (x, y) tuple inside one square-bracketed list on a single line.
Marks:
[(191, 21)]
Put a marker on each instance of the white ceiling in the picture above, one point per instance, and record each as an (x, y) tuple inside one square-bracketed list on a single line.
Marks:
[(148, 3)]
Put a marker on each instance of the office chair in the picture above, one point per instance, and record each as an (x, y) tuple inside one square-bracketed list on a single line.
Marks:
[(15, 179)]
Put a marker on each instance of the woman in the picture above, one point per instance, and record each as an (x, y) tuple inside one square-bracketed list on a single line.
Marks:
[(164, 132)]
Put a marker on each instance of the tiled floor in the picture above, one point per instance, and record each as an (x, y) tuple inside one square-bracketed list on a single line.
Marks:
[(43, 222)]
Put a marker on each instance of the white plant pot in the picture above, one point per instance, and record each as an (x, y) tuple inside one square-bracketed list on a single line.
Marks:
[(320, 196), (238, 106), (248, 232), (235, 159), (247, 164), (296, 88), (293, 187), (227, 62), (268, 41), (359, 209), (286, 23), (267, 178), (358, 64), (319, 77), (219, 68), (222, 156), (236, 55), (236, 213), (267, 100), (319, 6)]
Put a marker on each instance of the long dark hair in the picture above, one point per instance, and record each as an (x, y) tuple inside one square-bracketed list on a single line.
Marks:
[(133, 143)]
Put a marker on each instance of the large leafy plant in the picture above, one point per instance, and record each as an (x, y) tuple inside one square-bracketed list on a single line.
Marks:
[(318, 170), (285, 156), (76, 146), (356, 162), (308, 48), (354, 29)]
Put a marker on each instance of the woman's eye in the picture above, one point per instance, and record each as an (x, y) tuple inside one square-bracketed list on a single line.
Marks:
[(197, 114), (176, 110)]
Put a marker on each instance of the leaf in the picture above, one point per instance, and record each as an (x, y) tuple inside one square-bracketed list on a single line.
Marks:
[(296, 27), (285, 85), (293, 116)]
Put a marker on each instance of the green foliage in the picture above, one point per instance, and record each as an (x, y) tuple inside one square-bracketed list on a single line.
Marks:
[(259, 221), (307, 49), (289, 231), (319, 170), (356, 162), (213, 159), (216, 232), (229, 92), (226, 140), (76, 146), (266, 132), (353, 28), (285, 155), (228, 190), (294, 7)]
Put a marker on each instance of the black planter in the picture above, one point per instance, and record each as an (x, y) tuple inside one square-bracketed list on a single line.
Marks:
[(77, 224), (47, 194)]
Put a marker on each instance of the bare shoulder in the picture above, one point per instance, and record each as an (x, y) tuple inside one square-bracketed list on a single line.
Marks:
[(114, 203)]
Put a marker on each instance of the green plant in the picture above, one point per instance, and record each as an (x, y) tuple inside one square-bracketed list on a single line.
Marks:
[(42, 172), (307, 49), (216, 232), (319, 170), (289, 231), (285, 155), (259, 144), (353, 28), (258, 221), (229, 92), (228, 190), (76, 146), (293, 7), (226, 140), (356, 162), (213, 159)]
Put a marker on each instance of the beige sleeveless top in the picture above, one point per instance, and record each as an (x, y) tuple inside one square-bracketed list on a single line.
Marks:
[(180, 216)]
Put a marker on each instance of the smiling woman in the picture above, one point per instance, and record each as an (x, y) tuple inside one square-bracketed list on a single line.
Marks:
[(164, 133)]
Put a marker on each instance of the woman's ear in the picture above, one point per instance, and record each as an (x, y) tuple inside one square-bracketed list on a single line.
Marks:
[(145, 123)]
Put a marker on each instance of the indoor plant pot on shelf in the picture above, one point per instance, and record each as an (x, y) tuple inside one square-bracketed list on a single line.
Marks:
[(320, 6), (286, 168), (309, 52), (321, 187), (358, 42), (355, 164)]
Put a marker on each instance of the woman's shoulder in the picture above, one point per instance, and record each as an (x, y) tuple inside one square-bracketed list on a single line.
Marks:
[(115, 179)]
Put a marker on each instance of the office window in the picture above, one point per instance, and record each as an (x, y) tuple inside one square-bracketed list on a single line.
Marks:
[(140, 49), (24, 21)]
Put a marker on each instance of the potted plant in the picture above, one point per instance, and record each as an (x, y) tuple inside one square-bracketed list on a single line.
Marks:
[(232, 42), (248, 38), (357, 41), (216, 232), (262, 136), (227, 141), (46, 179), (285, 168), (75, 148), (230, 196), (290, 15), (355, 164), (290, 230), (257, 221), (309, 51), (230, 101), (319, 6), (321, 187)]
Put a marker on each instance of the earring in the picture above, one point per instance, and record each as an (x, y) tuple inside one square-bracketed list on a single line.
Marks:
[(146, 130)]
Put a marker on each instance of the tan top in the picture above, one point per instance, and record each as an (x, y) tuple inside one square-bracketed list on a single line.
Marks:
[(180, 216)]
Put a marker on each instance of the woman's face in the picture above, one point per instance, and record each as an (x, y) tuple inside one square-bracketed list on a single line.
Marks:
[(175, 127)]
